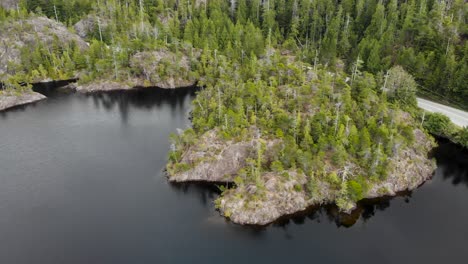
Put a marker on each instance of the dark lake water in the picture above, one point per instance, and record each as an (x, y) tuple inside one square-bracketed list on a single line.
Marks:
[(81, 181)]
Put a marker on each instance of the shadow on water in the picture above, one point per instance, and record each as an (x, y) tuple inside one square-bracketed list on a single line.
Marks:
[(365, 210), (143, 98), (452, 162), (206, 192), (136, 98), (53, 87), (18, 108)]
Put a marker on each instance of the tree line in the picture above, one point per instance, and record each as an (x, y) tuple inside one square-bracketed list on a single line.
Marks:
[(426, 37)]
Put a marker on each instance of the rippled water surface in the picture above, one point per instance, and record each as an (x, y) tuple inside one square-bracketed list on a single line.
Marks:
[(81, 181)]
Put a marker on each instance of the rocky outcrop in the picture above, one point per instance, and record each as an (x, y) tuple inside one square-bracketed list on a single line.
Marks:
[(221, 167), (89, 24), (12, 100), (28, 33), (277, 194), (9, 4), (101, 86), (163, 68), (214, 160), (287, 195), (280, 196), (199, 3), (410, 168)]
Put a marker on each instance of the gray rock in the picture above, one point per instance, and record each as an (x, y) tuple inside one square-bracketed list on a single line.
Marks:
[(411, 168), (279, 198), (68, 88), (222, 168), (102, 86), (12, 100), (214, 160), (177, 69), (89, 24), (280, 194), (27, 33), (9, 4)]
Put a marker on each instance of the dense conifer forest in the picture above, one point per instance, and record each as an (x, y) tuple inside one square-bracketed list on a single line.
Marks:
[(426, 37)]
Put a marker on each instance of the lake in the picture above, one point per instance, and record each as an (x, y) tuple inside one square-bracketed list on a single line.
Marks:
[(82, 181)]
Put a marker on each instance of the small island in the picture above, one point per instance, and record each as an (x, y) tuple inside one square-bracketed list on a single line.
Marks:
[(296, 137)]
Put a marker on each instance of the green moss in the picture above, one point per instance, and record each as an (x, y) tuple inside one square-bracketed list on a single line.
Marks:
[(383, 191), (333, 179), (355, 190), (277, 166), (181, 167), (298, 187)]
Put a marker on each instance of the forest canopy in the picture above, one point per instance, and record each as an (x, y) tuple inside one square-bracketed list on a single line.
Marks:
[(427, 38)]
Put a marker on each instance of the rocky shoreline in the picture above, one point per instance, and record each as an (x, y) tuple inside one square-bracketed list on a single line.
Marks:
[(216, 161), (26, 34), (99, 86), (8, 101), (107, 86), (286, 193)]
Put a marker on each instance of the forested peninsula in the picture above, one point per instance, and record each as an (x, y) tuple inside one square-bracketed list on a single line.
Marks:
[(302, 103)]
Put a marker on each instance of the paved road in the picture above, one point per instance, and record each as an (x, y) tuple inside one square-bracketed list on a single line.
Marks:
[(458, 117)]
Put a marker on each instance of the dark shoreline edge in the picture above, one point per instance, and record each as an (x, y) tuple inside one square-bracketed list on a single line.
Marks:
[(11, 102), (41, 91), (345, 219), (62, 84)]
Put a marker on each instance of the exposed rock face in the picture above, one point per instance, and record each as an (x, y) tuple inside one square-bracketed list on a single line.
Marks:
[(163, 68), (221, 168), (11, 100), (88, 24), (216, 160), (282, 196), (27, 33), (200, 3), (101, 86), (9, 4), (410, 169), (288, 193)]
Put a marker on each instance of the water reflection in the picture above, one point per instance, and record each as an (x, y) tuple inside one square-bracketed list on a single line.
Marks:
[(143, 98), (19, 108), (138, 98), (365, 210), (206, 192), (52, 88), (452, 162), (46, 89), (75, 188)]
